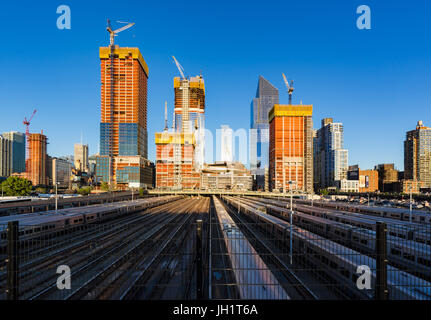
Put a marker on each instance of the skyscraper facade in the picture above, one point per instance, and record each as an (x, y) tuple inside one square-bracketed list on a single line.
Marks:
[(81, 157), (61, 172), (190, 112), (123, 124), (417, 155), (266, 98), (330, 157), (17, 151), (37, 160), (5, 157), (291, 148)]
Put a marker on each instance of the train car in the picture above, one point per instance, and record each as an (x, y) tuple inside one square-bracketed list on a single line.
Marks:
[(412, 231), (402, 252), (338, 262), (384, 212), (253, 277), (39, 224)]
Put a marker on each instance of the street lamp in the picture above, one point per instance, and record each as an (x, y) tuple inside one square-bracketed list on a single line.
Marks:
[(56, 196), (291, 183), (410, 214)]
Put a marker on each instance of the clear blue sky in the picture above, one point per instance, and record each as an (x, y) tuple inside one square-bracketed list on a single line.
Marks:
[(377, 82)]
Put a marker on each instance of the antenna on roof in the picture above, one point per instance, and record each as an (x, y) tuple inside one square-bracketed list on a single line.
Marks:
[(166, 116)]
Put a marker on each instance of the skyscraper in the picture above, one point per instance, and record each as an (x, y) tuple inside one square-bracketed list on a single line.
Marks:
[(330, 158), (180, 152), (266, 98), (5, 157), (81, 157), (417, 155), (190, 112), (291, 148), (36, 163), (17, 151), (123, 125)]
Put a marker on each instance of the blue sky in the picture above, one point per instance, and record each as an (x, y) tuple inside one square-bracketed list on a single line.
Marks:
[(377, 82)]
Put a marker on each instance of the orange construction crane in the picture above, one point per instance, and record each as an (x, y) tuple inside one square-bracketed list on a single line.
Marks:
[(27, 135)]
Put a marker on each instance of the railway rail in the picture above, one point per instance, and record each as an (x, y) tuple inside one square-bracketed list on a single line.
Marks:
[(254, 278), (339, 263)]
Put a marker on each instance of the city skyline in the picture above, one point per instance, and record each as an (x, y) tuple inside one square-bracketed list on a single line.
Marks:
[(370, 71)]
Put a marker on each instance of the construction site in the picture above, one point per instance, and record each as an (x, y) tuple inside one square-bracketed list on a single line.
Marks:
[(123, 159)]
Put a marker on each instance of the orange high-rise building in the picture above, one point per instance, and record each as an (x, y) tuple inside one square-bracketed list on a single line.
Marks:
[(175, 161), (190, 111), (123, 123), (36, 162), (291, 148)]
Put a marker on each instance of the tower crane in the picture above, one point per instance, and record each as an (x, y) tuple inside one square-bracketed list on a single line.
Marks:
[(180, 68), (27, 135), (27, 123), (289, 88), (113, 33)]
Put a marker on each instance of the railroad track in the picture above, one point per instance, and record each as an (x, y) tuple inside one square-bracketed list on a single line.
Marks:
[(274, 258), (40, 272), (100, 257), (111, 260), (118, 279)]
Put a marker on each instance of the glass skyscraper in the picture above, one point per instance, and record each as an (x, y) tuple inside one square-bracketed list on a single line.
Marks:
[(17, 153), (266, 97)]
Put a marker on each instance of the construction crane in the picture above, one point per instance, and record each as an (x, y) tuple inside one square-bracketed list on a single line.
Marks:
[(113, 33), (289, 88), (27, 123), (27, 135), (180, 68)]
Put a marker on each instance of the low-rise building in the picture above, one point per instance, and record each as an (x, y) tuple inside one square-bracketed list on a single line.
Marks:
[(345, 185), (387, 176), (226, 176), (368, 179)]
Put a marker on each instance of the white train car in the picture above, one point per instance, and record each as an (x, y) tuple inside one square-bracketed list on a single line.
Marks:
[(253, 277)]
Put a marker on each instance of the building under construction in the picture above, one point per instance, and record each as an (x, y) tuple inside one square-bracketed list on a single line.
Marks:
[(36, 166), (175, 166), (291, 148), (190, 112), (123, 125), (180, 151)]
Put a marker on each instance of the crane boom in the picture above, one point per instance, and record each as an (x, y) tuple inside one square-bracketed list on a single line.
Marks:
[(289, 87), (113, 33), (285, 81), (180, 68), (124, 28)]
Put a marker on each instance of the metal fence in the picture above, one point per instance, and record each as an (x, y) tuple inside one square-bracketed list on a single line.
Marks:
[(231, 249), (316, 258)]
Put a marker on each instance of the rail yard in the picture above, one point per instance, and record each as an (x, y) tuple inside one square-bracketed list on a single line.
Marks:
[(220, 246)]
